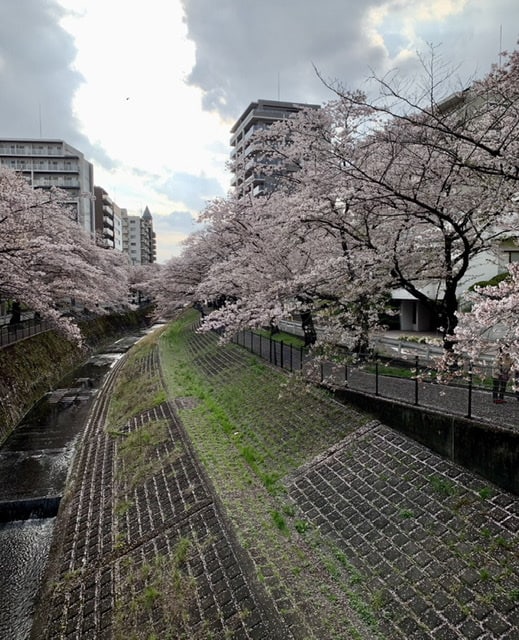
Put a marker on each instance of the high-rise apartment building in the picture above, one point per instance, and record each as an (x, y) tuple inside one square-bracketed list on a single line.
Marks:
[(139, 240), (54, 163), (108, 220), (258, 115)]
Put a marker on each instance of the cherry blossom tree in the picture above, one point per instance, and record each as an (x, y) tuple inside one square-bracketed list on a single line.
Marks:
[(46, 259), (275, 266), (403, 190), (492, 322), (432, 180)]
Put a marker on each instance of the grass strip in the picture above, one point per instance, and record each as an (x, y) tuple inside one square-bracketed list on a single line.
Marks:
[(251, 427)]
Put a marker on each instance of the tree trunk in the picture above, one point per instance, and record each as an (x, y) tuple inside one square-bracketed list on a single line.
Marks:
[(16, 313), (307, 325)]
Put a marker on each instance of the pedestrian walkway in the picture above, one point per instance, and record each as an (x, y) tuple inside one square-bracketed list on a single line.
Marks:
[(457, 398)]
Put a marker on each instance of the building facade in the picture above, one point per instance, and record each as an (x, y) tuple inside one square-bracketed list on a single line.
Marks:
[(258, 115), (108, 220), (54, 163), (139, 239)]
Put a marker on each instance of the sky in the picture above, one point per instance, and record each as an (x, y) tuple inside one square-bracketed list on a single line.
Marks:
[(149, 91)]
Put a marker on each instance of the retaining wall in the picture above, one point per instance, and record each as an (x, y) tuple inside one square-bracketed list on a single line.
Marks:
[(33, 366), (490, 451)]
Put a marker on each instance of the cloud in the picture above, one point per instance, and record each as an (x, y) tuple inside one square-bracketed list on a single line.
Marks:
[(246, 51), (171, 231), (38, 81), (192, 191), (149, 91), (35, 51)]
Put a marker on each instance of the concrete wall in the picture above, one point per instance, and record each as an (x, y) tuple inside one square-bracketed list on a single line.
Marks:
[(31, 367), (491, 452)]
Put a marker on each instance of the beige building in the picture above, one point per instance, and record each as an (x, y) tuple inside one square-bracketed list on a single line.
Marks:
[(54, 163), (108, 220)]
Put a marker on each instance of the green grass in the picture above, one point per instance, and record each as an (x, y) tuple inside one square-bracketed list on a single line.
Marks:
[(162, 583), (136, 389), (252, 426), (443, 486), (285, 338), (137, 453)]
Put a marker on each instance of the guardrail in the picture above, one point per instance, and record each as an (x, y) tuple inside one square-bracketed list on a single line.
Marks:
[(11, 333), (405, 377)]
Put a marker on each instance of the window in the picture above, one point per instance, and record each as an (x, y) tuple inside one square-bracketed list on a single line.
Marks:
[(511, 256)]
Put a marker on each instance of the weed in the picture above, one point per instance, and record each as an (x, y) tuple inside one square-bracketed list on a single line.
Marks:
[(279, 521), (120, 542), (379, 600), (149, 596), (406, 513), (485, 493), (484, 574), (442, 486), (160, 584), (137, 452), (289, 510), (123, 507), (501, 543), (301, 526), (271, 483), (250, 455)]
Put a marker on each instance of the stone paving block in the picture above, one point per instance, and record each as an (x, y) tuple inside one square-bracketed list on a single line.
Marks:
[(426, 547), (372, 495)]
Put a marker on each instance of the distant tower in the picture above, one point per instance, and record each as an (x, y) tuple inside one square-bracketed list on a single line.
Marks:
[(148, 238)]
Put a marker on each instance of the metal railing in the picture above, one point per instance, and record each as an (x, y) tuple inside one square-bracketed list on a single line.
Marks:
[(406, 378), (11, 333)]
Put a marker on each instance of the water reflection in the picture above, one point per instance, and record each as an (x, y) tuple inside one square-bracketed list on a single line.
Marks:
[(24, 549), (34, 464)]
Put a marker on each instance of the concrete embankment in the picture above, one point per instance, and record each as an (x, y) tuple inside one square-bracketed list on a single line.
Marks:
[(234, 502), (32, 367)]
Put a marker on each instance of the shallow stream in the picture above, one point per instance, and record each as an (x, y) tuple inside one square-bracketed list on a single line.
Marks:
[(34, 463)]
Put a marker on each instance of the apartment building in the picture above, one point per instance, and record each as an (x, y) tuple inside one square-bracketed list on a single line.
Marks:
[(54, 163), (108, 220), (257, 116), (139, 239)]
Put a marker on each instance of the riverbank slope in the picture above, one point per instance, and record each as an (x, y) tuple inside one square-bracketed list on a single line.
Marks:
[(214, 497), (32, 367)]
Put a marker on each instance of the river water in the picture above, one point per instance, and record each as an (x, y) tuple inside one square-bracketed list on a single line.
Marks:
[(34, 463)]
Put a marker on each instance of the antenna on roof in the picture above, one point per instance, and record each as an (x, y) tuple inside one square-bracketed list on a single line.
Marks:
[(500, 44), (39, 115), (278, 88)]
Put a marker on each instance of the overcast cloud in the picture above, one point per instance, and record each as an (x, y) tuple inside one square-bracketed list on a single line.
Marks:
[(268, 49), (149, 91)]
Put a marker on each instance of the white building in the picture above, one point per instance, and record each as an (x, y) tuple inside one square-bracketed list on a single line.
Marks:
[(139, 240), (54, 163)]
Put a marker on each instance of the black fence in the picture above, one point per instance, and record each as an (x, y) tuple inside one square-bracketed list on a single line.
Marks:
[(414, 380), (10, 333)]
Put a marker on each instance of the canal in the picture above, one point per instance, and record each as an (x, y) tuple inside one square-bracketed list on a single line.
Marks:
[(34, 463)]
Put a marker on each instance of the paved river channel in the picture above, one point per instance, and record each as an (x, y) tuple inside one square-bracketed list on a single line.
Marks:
[(34, 463)]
